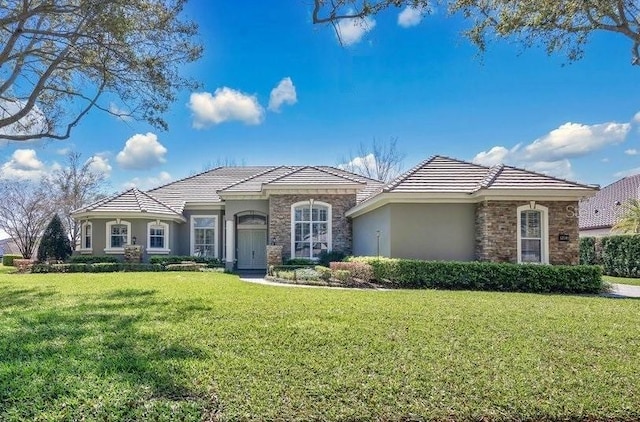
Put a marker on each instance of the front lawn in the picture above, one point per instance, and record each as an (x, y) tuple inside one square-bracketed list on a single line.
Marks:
[(621, 280), (194, 346)]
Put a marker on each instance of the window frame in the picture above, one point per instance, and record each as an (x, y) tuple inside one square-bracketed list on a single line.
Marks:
[(108, 247), (311, 203), (158, 225), (83, 235), (544, 231), (193, 237)]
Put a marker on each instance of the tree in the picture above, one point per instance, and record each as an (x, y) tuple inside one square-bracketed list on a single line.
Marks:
[(380, 160), (629, 221), (25, 210), (60, 59), (73, 186), (558, 25), (54, 244)]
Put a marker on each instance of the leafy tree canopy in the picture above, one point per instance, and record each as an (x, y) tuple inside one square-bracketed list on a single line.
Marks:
[(60, 59), (558, 25)]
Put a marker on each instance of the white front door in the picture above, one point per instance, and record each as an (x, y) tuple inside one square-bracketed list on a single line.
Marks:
[(252, 249)]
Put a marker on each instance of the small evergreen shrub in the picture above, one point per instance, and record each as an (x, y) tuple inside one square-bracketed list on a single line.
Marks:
[(620, 255), (179, 259), (307, 274), (588, 254), (90, 259), (326, 258), (7, 260), (323, 272), (358, 270), (300, 262), (55, 244), (341, 275), (190, 266)]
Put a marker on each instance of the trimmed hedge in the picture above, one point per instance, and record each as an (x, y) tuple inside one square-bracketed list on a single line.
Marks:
[(358, 270), (178, 259), (619, 255), (7, 260), (416, 274), (588, 254), (90, 259), (101, 267)]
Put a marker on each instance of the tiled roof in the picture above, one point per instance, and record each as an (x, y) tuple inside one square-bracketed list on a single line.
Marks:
[(604, 208), (449, 175), (204, 187), (132, 200), (305, 176)]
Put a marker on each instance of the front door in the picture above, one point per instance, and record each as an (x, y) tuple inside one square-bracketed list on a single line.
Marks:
[(252, 249)]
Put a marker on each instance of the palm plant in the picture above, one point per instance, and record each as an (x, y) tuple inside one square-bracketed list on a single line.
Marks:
[(629, 221)]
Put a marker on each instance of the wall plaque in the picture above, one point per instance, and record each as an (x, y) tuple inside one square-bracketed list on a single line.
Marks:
[(563, 237)]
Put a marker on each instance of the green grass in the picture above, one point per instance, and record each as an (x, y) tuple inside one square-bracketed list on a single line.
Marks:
[(622, 280), (6, 270), (194, 346)]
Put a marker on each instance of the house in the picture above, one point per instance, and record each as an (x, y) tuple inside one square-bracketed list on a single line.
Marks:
[(443, 209), (600, 212), (9, 247)]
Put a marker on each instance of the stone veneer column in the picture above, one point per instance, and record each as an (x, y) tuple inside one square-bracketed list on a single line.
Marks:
[(274, 255)]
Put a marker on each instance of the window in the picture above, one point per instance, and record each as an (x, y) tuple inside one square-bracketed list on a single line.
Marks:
[(533, 238), (310, 229), (118, 235), (203, 235), (157, 237), (86, 236)]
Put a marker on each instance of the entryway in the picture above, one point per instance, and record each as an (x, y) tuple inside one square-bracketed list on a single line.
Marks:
[(252, 248)]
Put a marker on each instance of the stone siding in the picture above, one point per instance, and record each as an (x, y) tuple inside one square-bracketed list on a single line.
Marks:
[(497, 231), (280, 220)]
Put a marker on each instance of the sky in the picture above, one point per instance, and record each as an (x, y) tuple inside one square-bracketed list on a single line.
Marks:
[(276, 89)]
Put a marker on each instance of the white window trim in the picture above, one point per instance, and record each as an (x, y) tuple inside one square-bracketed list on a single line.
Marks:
[(108, 248), (216, 229), (83, 229), (310, 203), (154, 225), (544, 213)]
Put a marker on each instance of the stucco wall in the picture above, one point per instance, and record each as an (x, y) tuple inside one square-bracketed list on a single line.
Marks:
[(497, 225), (280, 220), (232, 207), (365, 228), (606, 231), (433, 231)]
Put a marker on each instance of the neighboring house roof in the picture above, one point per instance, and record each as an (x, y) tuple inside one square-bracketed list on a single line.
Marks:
[(9, 247), (130, 201), (604, 208), (444, 176)]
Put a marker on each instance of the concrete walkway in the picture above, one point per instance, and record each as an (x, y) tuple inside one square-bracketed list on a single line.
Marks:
[(623, 291)]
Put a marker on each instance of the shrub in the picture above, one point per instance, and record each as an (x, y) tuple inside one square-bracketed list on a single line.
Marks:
[(307, 274), (326, 258), (359, 270), (621, 255), (55, 244), (341, 275), (90, 259), (185, 266), (407, 273), (300, 262), (286, 275), (7, 260), (323, 272), (101, 267), (179, 259), (588, 254)]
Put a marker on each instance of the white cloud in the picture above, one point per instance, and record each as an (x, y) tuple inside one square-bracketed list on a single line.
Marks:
[(549, 154), (604, 160), (631, 151), (33, 123), (100, 164), (141, 152), (63, 151), (120, 113), (284, 93), (24, 164), (627, 173), (148, 182), (224, 105), (360, 163), (636, 118), (351, 31), (411, 16)]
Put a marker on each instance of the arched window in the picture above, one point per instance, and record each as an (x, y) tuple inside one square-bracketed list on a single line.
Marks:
[(310, 229), (86, 236), (533, 234)]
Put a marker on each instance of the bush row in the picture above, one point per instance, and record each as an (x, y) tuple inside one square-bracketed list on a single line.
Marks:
[(90, 259), (7, 260), (100, 267), (408, 273), (178, 259), (618, 255)]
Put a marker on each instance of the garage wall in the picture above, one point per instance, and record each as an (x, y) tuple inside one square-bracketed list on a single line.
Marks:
[(365, 227)]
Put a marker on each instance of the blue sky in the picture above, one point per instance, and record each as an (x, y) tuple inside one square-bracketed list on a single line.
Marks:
[(421, 83)]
